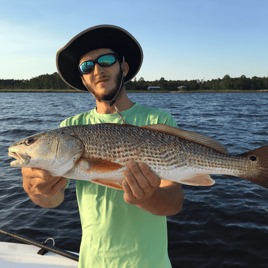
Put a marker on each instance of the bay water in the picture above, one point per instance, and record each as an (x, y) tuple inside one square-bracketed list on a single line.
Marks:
[(225, 225)]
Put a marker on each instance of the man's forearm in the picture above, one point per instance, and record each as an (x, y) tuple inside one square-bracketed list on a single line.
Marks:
[(166, 201)]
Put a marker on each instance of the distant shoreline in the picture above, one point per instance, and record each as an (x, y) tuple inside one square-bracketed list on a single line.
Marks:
[(132, 91)]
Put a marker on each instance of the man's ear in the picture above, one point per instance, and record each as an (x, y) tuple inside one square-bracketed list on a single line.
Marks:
[(126, 69)]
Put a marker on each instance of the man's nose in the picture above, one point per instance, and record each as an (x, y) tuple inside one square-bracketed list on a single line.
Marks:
[(98, 69)]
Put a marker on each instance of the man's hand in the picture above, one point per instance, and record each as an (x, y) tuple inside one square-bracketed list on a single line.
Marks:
[(140, 184), (147, 191), (44, 189)]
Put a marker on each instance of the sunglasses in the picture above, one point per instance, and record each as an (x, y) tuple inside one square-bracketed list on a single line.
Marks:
[(105, 60)]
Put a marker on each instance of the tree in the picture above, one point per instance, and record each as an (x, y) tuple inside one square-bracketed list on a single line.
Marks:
[(256, 83), (163, 83), (226, 82), (244, 83), (227, 76)]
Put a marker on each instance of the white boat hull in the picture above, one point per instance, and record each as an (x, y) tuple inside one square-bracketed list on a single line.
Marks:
[(22, 255)]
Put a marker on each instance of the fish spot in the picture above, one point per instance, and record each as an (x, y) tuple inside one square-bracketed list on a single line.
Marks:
[(253, 158)]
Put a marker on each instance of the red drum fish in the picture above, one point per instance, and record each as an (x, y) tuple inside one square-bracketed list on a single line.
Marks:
[(99, 153)]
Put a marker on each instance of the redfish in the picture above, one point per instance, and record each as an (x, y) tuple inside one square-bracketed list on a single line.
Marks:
[(99, 153)]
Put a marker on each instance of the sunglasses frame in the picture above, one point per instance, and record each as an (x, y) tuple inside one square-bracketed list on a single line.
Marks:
[(96, 61)]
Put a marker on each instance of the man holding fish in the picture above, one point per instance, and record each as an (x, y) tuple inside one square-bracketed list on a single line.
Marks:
[(120, 228)]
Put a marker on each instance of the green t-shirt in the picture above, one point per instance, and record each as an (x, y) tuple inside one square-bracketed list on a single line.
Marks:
[(116, 234)]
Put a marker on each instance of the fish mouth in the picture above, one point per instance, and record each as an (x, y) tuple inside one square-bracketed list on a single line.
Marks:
[(21, 159)]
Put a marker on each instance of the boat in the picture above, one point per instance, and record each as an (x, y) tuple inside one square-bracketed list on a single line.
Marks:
[(31, 253)]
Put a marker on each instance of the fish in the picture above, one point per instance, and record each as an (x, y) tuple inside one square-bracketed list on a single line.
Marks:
[(99, 153)]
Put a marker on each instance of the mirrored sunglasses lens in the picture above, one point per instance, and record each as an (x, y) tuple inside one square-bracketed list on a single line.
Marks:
[(86, 67), (106, 60)]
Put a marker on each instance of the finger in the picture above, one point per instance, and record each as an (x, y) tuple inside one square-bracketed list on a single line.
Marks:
[(133, 185), (128, 195), (152, 178), (140, 179), (27, 172), (43, 174), (39, 186), (126, 188), (62, 182), (36, 173), (46, 187)]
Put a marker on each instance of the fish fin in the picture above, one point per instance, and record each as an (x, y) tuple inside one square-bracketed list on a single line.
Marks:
[(95, 165), (88, 169), (109, 184), (189, 135), (99, 165), (260, 157), (198, 180)]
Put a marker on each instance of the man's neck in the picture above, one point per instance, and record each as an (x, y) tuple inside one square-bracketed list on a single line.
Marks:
[(122, 103)]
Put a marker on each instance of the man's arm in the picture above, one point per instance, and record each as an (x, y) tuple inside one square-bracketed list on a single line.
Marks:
[(44, 190), (145, 189)]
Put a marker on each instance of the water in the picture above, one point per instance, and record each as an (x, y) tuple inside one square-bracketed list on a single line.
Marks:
[(225, 225)]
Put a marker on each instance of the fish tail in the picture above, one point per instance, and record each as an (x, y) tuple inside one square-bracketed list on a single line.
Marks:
[(259, 161)]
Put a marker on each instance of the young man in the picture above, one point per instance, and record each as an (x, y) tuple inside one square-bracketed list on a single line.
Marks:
[(120, 228)]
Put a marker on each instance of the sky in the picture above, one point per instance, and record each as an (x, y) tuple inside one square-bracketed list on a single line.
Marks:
[(181, 40)]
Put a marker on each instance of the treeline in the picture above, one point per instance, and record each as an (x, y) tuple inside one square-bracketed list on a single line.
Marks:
[(53, 81), (45, 81), (226, 83)]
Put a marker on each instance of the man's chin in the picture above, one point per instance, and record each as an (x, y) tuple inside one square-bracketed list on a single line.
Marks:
[(106, 96)]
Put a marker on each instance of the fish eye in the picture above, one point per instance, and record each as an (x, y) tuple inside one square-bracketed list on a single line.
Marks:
[(253, 158), (29, 141)]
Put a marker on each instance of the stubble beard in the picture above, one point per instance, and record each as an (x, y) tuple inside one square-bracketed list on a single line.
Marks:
[(112, 93)]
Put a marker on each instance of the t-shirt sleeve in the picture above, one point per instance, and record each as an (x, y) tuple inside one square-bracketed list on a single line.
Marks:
[(168, 119), (171, 121), (63, 123)]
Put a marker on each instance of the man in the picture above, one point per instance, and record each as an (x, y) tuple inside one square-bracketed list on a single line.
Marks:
[(120, 228)]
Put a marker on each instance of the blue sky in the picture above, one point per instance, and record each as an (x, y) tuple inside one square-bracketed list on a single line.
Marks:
[(181, 40)]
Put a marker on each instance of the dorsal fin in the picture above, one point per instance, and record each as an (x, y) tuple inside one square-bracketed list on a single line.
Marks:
[(188, 135)]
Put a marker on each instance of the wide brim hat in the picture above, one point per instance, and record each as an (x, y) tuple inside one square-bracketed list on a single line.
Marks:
[(101, 36)]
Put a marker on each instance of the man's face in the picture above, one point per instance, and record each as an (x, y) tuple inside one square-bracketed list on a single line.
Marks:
[(103, 82)]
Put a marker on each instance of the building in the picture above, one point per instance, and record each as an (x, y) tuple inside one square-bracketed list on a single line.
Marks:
[(182, 87), (154, 88)]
